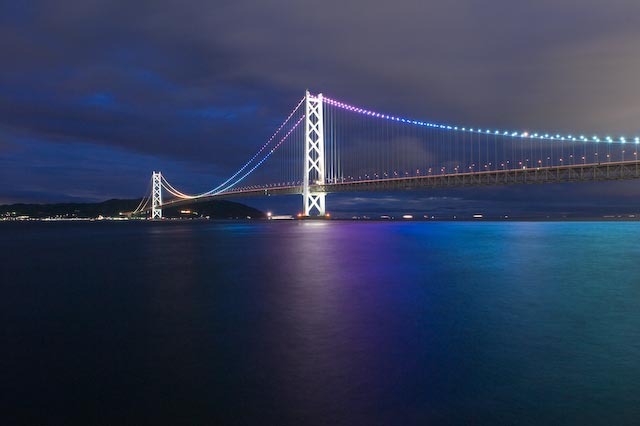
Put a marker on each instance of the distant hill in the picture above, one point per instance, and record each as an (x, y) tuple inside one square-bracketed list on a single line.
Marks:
[(215, 209)]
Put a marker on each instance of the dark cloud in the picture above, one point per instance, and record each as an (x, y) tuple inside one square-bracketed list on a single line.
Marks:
[(198, 85)]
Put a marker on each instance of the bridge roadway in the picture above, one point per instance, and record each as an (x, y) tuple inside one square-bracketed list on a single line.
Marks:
[(556, 174)]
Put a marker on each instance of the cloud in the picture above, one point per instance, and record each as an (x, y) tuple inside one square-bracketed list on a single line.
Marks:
[(206, 83)]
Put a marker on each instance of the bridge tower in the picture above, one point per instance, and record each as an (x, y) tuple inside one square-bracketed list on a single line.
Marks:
[(314, 155), (156, 195)]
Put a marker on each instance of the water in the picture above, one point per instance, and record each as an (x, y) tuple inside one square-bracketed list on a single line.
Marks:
[(336, 323)]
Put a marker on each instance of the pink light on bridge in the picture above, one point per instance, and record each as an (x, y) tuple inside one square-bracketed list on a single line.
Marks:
[(512, 134)]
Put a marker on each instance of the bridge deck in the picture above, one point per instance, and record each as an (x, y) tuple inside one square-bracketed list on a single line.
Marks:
[(568, 173)]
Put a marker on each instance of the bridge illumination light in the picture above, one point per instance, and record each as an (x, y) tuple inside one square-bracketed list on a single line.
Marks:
[(456, 128)]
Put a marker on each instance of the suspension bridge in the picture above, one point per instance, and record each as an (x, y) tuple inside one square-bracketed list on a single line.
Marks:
[(326, 146)]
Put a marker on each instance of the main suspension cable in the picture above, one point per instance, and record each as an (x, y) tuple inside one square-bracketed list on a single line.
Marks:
[(216, 190)]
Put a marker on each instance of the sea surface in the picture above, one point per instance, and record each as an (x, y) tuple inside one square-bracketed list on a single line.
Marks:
[(320, 323)]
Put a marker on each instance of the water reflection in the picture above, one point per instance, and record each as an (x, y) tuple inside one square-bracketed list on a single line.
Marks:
[(323, 323)]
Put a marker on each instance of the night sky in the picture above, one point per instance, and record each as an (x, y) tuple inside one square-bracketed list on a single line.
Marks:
[(95, 94)]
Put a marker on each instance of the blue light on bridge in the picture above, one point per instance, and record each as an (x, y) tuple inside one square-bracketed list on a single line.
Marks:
[(556, 137)]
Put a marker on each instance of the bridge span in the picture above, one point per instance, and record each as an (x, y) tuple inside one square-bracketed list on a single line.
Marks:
[(561, 174), (326, 146)]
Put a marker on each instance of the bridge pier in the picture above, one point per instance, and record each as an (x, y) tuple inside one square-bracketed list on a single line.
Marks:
[(156, 195), (314, 156)]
